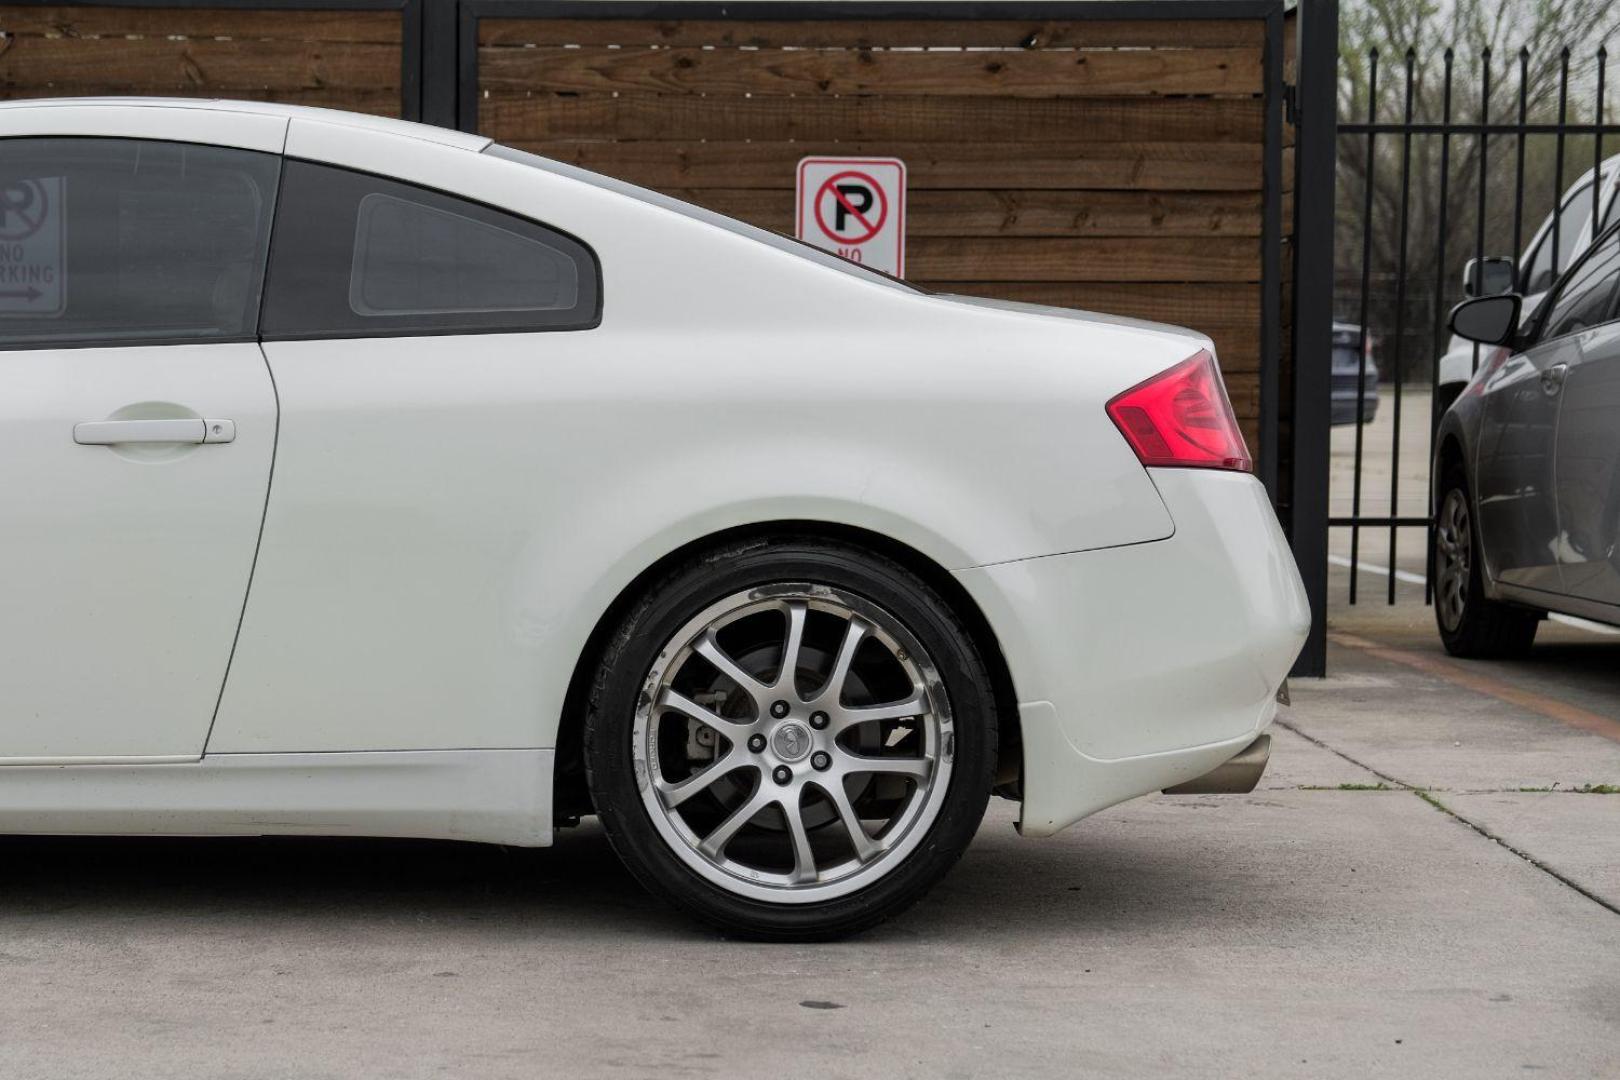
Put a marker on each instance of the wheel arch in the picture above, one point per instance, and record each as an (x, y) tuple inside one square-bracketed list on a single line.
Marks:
[(1449, 452), (571, 799)]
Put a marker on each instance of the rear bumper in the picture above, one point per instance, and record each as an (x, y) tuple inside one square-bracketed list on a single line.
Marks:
[(1144, 666)]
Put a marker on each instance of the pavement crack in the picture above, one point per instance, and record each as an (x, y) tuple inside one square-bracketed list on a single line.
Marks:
[(1430, 798), (1562, 879), (1280, 722)]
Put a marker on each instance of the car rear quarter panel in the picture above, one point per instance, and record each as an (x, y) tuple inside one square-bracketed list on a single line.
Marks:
[(450, 517)]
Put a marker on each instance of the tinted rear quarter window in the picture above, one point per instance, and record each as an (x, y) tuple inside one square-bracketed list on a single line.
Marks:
[(361, 255), (131, 241)]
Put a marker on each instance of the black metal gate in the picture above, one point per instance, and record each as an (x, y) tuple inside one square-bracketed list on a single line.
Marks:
[(1442, 158)]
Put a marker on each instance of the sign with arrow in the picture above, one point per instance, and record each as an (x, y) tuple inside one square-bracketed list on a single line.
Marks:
[(32, 281)]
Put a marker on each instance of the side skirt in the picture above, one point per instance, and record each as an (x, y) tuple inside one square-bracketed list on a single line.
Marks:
[(491, 796)]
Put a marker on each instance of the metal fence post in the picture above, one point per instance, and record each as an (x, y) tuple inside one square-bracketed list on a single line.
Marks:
[(439, 59), (1314, 165)]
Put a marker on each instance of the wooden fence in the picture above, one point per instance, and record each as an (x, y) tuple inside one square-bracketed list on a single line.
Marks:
[(1115, 165), (339, 56)]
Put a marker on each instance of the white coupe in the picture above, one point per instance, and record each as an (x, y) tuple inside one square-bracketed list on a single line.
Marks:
[(368, 478)]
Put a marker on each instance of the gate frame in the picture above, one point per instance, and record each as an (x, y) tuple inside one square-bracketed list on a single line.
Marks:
[(1315, 170)]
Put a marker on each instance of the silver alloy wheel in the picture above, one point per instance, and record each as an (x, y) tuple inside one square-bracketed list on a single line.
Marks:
[(1453, 551), (786, 726)]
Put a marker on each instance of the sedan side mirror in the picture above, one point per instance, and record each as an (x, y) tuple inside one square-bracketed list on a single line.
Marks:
[(1489, 320), (1490, 276)]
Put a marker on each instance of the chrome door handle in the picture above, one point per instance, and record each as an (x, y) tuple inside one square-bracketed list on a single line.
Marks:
[(1552, 380), (114, 432)]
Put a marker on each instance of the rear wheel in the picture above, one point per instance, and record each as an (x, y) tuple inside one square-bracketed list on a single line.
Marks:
[(791, 739), (1471, 624)]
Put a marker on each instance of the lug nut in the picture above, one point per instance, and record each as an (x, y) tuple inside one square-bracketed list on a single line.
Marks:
[(821, 761), (756, 743), (782, 774), (818, 720), (779, 709)]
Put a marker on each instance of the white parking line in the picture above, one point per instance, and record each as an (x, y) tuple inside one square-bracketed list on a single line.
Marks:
[(1417, 579), (1373, 568)]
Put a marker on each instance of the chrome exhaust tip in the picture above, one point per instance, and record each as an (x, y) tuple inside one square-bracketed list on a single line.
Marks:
[(1237, 775)]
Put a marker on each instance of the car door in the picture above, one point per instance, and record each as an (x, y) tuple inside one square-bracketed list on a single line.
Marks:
[(1515, 477), (1588, 456), (137, 424), (421, 343)]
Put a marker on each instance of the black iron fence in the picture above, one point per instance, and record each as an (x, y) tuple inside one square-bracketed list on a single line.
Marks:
[(1442, 159)]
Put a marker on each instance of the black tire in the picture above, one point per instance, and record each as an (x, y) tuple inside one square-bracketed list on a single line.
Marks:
[(1478, 627), (681, 595)]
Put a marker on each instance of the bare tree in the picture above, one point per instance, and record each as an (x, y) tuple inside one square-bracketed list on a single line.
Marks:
[(1468, 61)]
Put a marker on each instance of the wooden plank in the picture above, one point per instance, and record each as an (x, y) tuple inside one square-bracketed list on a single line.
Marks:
[(1024, 213), (1244, 389), (1034, 73), (57, 66), (379, 27), (384, 102), (976, 165), (374, 103), (1238, 350), (875, 33), (381, 101), (507, 116), (941, 259)]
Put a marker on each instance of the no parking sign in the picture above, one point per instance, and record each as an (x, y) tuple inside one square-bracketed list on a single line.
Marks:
[(31, 247), (855, 207)]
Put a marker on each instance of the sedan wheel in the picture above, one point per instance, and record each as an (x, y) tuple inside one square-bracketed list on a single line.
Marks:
[(811, 737), (1453, 539), (795, 742), (1471, 624)]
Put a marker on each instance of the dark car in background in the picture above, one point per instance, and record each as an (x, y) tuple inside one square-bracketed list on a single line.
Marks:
[(1350, 380), (1527, 466)]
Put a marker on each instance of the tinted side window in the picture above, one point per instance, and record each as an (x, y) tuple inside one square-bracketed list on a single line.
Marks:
[(128, 241), (358, 255), (1587, 297)]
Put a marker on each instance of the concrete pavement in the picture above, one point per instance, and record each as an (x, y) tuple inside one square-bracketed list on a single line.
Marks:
[(1317, 927)]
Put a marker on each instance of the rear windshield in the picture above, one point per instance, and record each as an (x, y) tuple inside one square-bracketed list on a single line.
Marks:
[(697, 213)]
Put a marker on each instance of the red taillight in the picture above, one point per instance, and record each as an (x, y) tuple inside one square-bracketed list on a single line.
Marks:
[(1181, 417)]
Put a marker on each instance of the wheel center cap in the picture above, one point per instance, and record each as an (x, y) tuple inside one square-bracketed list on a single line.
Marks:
[(791, 741)]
